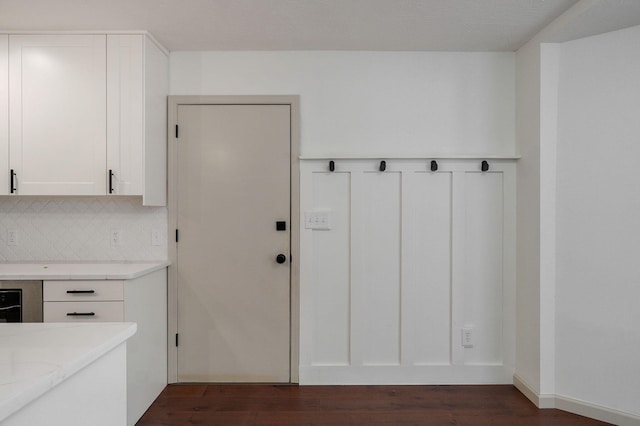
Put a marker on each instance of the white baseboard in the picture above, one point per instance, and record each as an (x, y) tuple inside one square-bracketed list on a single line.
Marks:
[(539, 400), (575, 406), (597, 412), (405, 375)]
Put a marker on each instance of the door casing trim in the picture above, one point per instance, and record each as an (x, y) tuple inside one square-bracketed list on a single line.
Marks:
[(172, 278)]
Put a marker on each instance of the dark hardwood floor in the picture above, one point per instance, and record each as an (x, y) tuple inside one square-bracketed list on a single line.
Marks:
[(289, 405)]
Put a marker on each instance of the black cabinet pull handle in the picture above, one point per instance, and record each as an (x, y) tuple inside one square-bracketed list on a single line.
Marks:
[(485, 166), (281, 258), (81, 314), (110, 181), (332, 166), (434, 166), (383, 166), (13, 181), (80, 291)]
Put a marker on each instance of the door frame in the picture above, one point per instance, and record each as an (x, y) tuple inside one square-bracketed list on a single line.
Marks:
[(172, 285)]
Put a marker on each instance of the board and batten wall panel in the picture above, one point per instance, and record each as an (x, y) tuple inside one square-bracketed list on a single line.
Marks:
[(331, 283), (426, 274), (482, 268), (376, 263), (410, 258)]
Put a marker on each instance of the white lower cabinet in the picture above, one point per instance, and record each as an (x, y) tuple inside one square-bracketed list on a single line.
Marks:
[(83, 311), (83, 291), (82, 301), (142, 300)]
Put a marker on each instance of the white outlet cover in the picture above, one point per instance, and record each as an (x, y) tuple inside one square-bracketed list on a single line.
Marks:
[(116, 237), (156, 237), (12, 237), (467, 337)]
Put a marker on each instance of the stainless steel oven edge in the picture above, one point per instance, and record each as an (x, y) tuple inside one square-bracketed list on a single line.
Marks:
[(31, 298)]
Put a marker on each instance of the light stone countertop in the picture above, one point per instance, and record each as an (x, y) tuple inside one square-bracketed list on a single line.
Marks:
[(36, 357), (78, 271)]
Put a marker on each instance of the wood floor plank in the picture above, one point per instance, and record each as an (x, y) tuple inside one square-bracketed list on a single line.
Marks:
[(291, 405)]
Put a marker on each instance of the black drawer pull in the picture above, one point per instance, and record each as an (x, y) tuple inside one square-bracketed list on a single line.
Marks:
[(80, 291), (81, 314), (110, 181), (13, 182)]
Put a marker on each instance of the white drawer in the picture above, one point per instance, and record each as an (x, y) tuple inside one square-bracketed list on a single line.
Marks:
[(83, 311), (61, 291)]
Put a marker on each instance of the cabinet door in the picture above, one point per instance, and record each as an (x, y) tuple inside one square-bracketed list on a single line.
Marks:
[(57, 95), (125, 114), (4, 114)]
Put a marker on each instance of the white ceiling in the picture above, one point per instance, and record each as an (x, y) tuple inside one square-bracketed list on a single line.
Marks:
[(423, 25)]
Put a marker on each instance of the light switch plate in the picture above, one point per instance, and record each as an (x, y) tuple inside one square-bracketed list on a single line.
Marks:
[(317, 219)]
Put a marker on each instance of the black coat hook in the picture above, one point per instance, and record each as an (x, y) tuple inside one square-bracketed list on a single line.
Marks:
[(332, 166), (383, 166), (434, 166), (485, 166)]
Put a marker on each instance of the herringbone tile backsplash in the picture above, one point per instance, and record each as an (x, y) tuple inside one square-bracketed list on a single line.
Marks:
[(79, 229)]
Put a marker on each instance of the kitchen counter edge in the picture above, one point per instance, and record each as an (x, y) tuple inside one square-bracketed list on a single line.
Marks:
[(78, 271), (35, 344)]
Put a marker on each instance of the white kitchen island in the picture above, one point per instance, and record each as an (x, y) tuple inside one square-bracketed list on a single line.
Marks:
[(64, 374)]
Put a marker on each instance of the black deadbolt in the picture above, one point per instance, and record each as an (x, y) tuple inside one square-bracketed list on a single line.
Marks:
[(281, 258)]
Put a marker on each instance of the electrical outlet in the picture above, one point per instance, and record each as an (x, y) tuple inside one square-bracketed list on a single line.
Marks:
[(156, 237), (12, 237), (467, 337), (116, 238)]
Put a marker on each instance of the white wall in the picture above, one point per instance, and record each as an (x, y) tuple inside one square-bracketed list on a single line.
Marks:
[(549, 65), (528, 215), (378, 104), (536, 130), (598, 221), (412, 255), (78, 229)]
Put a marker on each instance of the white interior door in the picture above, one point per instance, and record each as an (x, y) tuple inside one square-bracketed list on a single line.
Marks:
[(233, 185)]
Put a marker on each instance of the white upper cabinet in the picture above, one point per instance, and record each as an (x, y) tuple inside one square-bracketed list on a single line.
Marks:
[(137, 86), (57, 125), (156, 88), (83, 115), (125, 114), (4, 114)]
